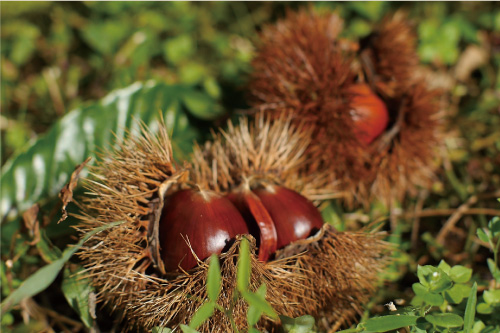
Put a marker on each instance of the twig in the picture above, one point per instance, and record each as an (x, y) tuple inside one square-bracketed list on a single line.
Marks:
[(460, 211)]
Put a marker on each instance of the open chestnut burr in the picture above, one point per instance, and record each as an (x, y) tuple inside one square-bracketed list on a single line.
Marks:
[(249, 181), (369, 106)]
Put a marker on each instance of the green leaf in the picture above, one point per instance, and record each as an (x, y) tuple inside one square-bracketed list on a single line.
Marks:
[(484, 308), (447, 320), (478, 327), (435, 279), (304, 324), (178, 48), (161, 330), (106, 36), (460, 274), (213, 278), (187, 329), (42, 278), (203, 313), (201, 105), (254, 313), (42, 170), (387, 323), (457, 293), (76, 290), (481, 234), (260, 303), (470, 309), (244, 266), (444, 266), (492, 297), (47, 250), (494, 226), (426, 295)]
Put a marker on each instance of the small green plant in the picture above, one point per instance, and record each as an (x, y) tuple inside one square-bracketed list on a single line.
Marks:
[(256, 300), (446, 300)]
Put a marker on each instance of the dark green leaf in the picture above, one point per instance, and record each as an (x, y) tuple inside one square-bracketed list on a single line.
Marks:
[(76, 289), (42, 278), (447, 320), (387, 323), (213, 278), (494, 226), (44, 168), (203, 313), (304, 324), (460, 274), (260, 303), (244, 266), (47, 250), (470, 309), (201, 105)]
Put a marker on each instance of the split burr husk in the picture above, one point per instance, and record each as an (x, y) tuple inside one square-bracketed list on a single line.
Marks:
[(304, 66), (330, 275)]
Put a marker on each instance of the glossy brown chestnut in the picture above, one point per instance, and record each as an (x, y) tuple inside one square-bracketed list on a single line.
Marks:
[(259, 221), (294, 216), (208, 220), (369, 113)]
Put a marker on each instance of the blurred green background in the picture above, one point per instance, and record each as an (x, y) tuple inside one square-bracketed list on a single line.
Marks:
[(74, 72)]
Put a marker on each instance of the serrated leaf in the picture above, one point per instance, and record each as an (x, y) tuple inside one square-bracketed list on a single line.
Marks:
[(447, 320), (213, 278), (44, 167), (260, 303), (244, 266), (304, 324), (387, 323), (76, 291), (203, 313), (460, 274), (43, 277), (470, 309)]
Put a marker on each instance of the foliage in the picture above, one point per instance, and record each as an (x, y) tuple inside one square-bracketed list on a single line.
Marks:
[(73, 73)]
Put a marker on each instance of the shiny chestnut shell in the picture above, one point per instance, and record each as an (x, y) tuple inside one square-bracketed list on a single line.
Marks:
[(208, 220), (259, 222), (369, 113), (294, 216)]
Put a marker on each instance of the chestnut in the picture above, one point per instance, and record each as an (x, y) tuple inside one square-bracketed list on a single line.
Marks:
[(369, 113), (294, 216), (260, 223), (208, 220)]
